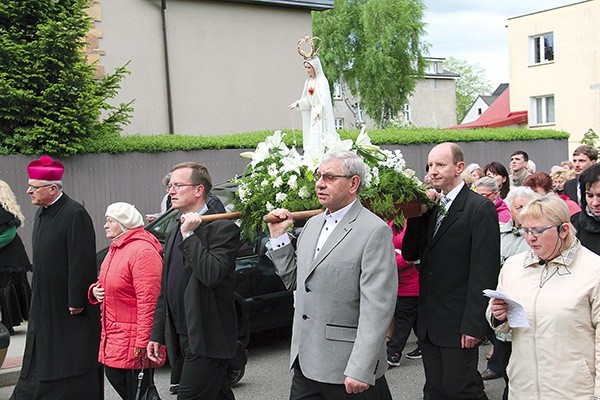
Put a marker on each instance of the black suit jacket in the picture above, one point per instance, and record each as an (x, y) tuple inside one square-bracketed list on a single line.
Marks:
[(456, 265), (571, 188), (209, 296)]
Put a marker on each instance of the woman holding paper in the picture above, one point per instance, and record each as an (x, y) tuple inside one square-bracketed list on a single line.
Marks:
[(558, 283)]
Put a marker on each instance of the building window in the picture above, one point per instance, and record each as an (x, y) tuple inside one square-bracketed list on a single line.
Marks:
[(542, 48), (406, 112), (339, 123), (542, 110), (431, 68), (479, 111), (337, 90), (360, 114)]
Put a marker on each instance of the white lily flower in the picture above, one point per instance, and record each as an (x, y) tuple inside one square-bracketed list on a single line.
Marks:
[(363, 141), (335, 143), (292, 162), (278, 182)]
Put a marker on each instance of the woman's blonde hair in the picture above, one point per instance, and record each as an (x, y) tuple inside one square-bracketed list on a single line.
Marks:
[(555, 210), (9, 201)]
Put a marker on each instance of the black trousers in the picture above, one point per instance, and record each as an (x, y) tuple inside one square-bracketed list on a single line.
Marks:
[(451, 372), (307, 389), (405, 317), (203, 378), (125, 381)]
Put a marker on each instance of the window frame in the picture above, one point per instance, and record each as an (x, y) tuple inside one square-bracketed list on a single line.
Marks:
[(543, 111), (538, 53)]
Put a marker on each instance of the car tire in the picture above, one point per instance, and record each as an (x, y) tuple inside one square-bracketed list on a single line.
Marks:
[(235, 376)]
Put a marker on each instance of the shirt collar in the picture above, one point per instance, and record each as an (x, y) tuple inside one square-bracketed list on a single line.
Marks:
[(337, 215), (454, 192), (565, 258)]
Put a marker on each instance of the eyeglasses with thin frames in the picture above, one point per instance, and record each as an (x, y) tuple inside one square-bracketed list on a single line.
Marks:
[(34, 188), (535, 232), (178, 186), (329, 178)]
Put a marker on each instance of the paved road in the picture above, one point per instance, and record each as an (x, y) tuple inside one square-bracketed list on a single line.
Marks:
[(267, 376)]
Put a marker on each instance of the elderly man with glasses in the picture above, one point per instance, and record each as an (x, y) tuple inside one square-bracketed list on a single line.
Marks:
[(63, 334), (345, 277)]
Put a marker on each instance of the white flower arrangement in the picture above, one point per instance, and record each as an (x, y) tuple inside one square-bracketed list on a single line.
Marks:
[(280, 177)]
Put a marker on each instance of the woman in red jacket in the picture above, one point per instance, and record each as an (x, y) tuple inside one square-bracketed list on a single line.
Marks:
[(127, 289)]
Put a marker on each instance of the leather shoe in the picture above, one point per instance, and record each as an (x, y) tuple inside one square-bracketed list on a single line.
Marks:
[(488, 374)]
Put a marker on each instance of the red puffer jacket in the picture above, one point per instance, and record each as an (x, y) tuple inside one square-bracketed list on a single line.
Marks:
[(130, 275)]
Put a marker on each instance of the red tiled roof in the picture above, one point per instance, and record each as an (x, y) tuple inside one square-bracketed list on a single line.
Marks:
[(496, 116)]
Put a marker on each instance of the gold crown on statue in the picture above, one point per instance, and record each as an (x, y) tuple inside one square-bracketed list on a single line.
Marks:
[(310, 40)]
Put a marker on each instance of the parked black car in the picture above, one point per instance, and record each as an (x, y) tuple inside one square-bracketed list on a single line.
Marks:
[(262, 301)]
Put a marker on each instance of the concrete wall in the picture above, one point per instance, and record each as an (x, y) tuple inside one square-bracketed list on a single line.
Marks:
[(97, 180), (574, 75), (233, 67)]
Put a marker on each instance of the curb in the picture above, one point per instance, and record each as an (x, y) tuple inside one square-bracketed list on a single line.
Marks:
[(9, 376)]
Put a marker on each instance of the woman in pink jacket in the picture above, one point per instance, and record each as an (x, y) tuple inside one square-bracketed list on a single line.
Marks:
[(406, 303), (127, 289)]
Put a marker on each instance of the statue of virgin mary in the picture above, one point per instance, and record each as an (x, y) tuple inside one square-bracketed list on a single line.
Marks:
[(315, 104)]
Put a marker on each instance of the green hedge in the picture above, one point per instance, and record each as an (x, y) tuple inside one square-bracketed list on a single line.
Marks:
[(160, 143)]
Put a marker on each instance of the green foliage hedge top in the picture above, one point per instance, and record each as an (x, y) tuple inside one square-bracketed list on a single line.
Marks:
[(390, 136)]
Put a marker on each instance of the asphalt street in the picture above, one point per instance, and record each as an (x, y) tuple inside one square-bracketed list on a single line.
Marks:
[(268, 378)]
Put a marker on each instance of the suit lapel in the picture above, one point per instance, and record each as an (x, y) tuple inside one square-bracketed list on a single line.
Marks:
[(454, 212), (339, 233)]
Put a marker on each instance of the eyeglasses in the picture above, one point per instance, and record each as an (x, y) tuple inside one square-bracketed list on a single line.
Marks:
[(35, 188), (488, 195), (536, 232), (329, 178), (178, 186)]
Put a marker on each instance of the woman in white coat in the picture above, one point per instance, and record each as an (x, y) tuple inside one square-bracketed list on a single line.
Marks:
[(558, 283)]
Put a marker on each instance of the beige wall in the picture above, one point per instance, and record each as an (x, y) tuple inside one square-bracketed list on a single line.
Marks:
[(432, 104), (234, 67), (574, 75)]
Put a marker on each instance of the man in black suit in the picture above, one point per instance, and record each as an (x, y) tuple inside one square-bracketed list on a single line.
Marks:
[(458, 248), (195, 310), (583, 158)]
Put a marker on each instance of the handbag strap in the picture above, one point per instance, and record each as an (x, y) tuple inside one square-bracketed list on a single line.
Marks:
[(141, 377)]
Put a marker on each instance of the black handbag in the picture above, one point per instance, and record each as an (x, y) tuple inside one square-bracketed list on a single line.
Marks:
[(151, 393)]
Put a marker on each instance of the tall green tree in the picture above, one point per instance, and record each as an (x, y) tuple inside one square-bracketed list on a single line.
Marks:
[(471, 84), (50, 101), (375, 47)]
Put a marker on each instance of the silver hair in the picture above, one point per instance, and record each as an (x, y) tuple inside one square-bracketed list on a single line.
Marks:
[(59, 184), (488, 182), (520, 191), (352, 164)]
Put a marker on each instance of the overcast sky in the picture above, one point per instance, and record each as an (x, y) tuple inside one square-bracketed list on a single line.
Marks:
[(475, 30)]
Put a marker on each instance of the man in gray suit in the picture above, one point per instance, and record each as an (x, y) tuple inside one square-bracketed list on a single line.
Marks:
[(345, 277)]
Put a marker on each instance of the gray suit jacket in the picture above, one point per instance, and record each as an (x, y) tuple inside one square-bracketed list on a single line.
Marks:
[(345, 297)]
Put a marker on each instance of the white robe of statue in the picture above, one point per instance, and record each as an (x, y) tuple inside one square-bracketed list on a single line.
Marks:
[(317, 111)]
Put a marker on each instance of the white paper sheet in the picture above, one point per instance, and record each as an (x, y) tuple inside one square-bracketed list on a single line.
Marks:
[(517, 317)]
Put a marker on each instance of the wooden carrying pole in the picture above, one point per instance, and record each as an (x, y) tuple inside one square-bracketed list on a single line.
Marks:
[(296, 215)]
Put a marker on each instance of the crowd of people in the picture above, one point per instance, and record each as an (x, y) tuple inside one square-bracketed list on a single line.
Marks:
[(533, 236)]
